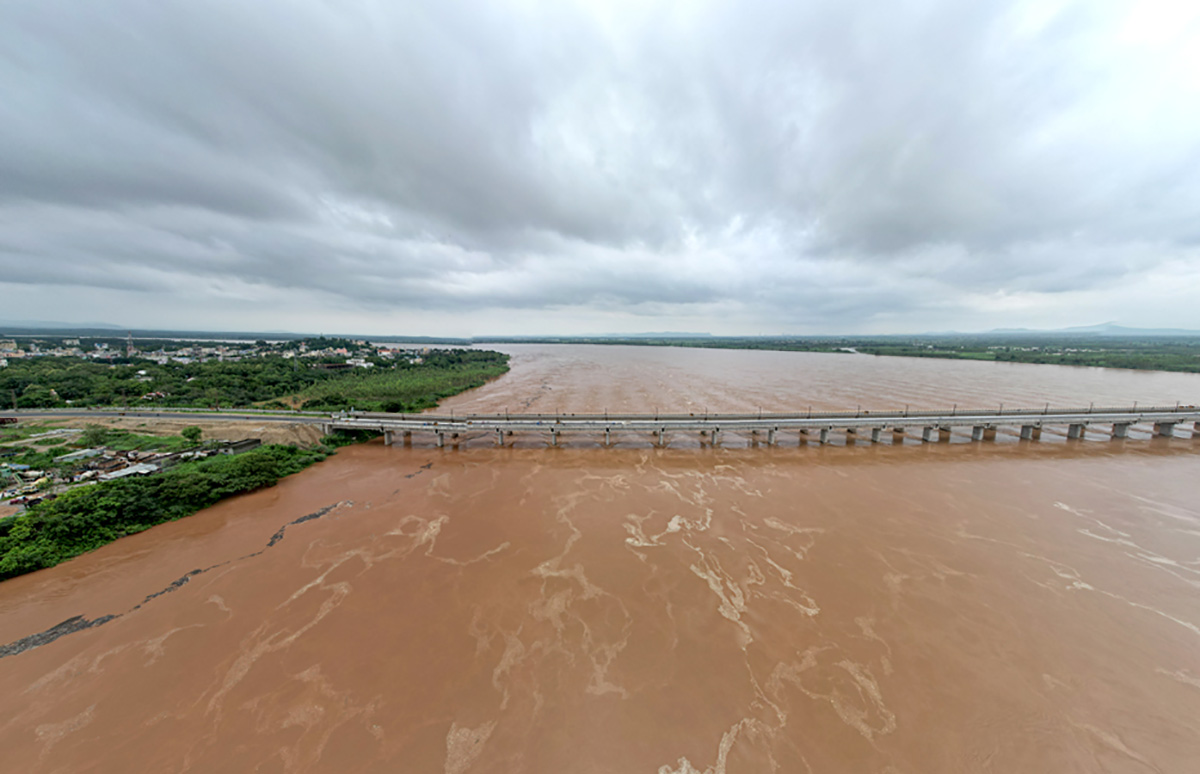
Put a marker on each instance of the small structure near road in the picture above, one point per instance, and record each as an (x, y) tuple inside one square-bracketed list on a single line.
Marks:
[(141, 469), (82, 454)]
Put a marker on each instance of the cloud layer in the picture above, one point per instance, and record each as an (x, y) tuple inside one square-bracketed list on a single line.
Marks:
[(479, 167)]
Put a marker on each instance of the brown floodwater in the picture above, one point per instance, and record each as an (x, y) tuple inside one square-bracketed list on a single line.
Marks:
[(1003, 607)]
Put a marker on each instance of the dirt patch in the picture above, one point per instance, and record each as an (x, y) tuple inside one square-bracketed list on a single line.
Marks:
[(215, 429)]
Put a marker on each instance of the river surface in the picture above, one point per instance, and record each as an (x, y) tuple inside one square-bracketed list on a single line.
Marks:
[(989, 607)]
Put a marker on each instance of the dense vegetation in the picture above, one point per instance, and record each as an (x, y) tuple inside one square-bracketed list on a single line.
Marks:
[(443, 374), (1143, 353), (400, 385), (86, 518)]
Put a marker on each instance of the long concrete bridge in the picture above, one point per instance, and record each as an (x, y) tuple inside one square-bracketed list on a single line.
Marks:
[(772, 428)]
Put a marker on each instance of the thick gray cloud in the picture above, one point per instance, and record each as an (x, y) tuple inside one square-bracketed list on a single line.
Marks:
[(483, 167)]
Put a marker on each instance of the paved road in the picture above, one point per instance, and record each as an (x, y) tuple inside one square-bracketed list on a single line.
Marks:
[(198, 414)]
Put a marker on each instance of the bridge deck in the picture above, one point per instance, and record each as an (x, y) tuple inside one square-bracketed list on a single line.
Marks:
[(1163, 417)]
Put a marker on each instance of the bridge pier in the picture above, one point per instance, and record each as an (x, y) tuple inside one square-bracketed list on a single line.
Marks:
[(929, 427)]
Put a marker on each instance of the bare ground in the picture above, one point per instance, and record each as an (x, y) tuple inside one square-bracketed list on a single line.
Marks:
[(225, 430)]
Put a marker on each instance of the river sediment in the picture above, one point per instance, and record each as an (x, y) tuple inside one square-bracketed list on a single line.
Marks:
[(993, 608)]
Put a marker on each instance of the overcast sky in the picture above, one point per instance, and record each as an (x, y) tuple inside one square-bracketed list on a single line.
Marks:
[(487, 167)]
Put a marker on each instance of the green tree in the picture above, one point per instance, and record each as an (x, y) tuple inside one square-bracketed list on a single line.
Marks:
[(192, 433), (94, 435), (37, 396)]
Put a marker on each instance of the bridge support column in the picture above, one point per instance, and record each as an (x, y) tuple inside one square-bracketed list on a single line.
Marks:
[(824, 435), (606, 436), (927, 433), (441, 439), (326, 429), (1164, 429), (1026, 432), (554, 438), (1120, 429), (1074, 431), (662, 436), (875, 431), (388, 437), (1196, 430), (977, 433), (716, 436), (771, 437), (499, 437)]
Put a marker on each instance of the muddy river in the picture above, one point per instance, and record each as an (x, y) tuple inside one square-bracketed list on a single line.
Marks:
[(994, 607)]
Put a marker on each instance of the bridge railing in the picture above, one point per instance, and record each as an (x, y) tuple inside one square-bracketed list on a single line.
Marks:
[(890, 415)]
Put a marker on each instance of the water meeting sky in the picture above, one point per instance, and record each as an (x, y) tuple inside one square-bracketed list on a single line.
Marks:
[(479, 167)]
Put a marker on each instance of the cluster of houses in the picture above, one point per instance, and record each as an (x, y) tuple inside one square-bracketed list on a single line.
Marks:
[(200, 352), (27, 486)]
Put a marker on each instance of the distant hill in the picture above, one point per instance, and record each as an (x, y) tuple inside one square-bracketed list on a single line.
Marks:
[(1103, 329), (650, 335), (34, 325), (32, 328)]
